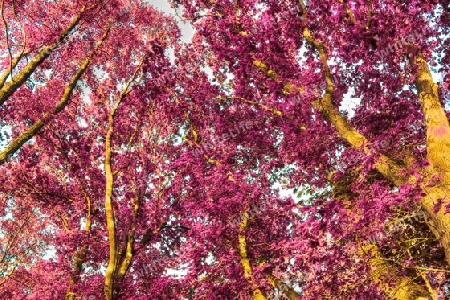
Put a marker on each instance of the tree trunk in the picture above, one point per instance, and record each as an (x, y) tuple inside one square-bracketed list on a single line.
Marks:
[(388, 278), (10, 87)]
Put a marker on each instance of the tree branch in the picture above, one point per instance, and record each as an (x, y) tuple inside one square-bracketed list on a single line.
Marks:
[(436, 121), (389, 279), (49, 115), (245, 262), (288, 291), (112, 269)]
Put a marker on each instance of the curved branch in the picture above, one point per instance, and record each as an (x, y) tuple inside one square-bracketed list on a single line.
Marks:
[(10, 87), (389, 279), (436, 121), (245, 262), (288, 291), (28, 134), (112, 268)]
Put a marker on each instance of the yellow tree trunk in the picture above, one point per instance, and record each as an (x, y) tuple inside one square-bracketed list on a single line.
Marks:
[(388, 278)]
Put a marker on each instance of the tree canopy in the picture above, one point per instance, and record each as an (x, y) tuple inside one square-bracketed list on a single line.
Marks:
[(291, 150)]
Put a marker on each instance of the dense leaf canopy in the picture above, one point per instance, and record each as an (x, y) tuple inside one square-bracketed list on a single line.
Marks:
[(291, 150)]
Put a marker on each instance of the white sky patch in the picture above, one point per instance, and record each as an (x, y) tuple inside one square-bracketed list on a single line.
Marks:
[(283, 192), (82, 122), (260, 8), (170, 53), (50, 254), (85, 92), (48, 73), (179, 272), (209, 72), (5, 136), (99, 73), (437, 77), (187, 31), (349, 104)]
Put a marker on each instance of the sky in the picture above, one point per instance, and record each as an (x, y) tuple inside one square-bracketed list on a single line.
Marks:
[(186, 29), (187, 32)]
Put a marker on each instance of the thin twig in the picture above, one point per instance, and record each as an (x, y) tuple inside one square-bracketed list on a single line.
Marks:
[(5, 24)]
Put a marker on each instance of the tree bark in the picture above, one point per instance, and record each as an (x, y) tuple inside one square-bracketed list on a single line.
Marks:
[(288, 291), (114, 271), (394, 285), (245, 262), (34, 129), (8, 88), (438, 139), (80, 254)]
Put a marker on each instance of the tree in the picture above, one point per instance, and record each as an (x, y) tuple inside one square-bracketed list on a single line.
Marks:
[(293, 63), (60, 171), (128, 175)]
